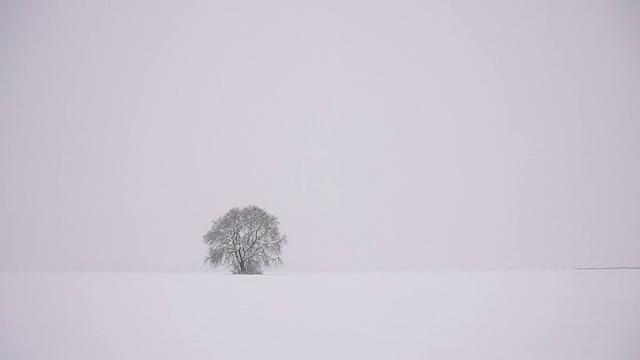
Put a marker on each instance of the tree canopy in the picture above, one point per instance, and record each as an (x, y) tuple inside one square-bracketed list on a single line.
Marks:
[(246, 240)]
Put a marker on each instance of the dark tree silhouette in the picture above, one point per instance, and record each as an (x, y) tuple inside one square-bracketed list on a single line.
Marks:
[(246, 240)]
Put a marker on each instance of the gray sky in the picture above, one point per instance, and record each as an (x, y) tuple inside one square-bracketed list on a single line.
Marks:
[(396, 135)]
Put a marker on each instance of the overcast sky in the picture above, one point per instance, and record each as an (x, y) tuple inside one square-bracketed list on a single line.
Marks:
[(397, 135)]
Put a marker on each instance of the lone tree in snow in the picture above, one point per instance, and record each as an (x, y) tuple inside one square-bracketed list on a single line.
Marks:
[(245, 240)]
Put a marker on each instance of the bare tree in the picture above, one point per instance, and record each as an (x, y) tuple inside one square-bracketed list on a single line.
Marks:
[(246, 240)]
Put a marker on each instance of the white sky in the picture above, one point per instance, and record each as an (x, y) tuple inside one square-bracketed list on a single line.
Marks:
[(397, 135)]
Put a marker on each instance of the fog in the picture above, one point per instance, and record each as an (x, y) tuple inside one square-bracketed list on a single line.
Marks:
[(397, 135)]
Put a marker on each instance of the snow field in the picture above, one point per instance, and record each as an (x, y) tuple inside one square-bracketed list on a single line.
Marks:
[(405, 315)]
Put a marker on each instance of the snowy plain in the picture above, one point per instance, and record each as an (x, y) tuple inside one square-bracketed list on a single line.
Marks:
[(564, 314)]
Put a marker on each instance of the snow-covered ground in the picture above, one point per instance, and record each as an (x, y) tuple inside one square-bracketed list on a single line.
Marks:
[(422, 315)]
